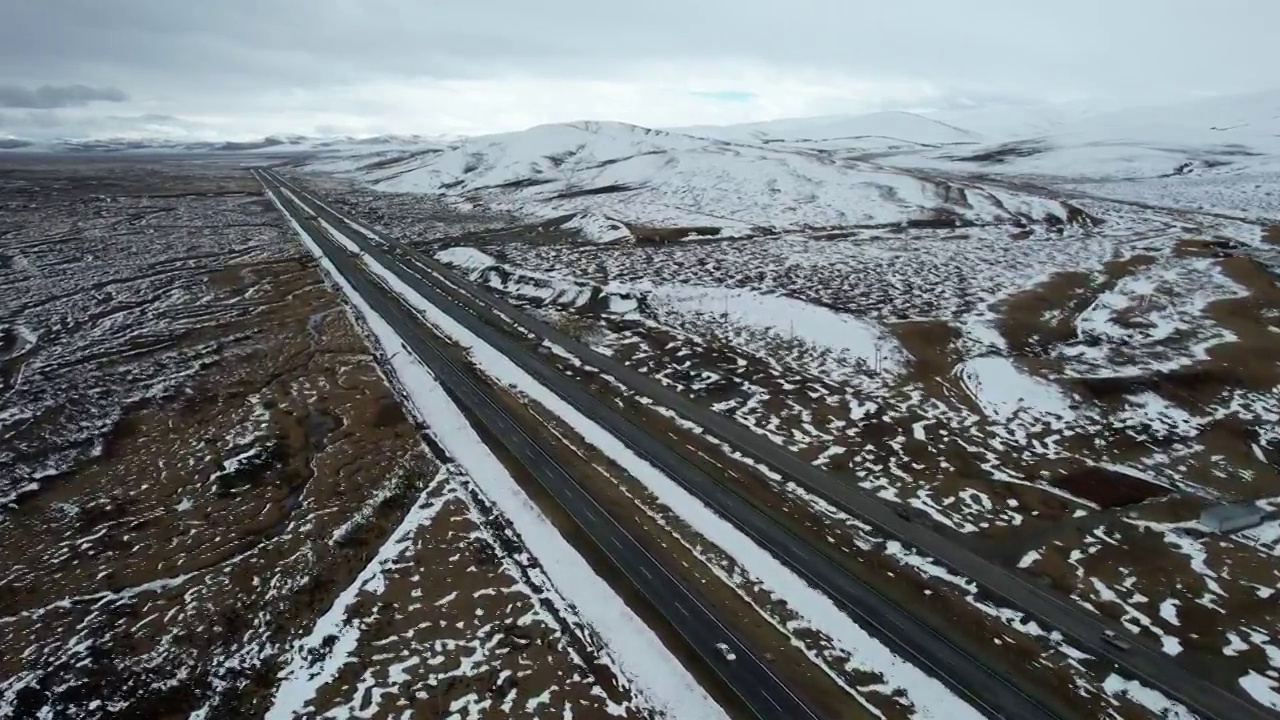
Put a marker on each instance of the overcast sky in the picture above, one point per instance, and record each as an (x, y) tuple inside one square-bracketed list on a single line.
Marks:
[(243, 68)]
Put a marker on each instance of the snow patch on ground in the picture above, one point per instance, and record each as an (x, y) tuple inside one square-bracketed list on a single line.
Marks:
[(1265, 537), (597, 228), (334, 638), (780, 316), (466, 258), (1005, 391), (1152, 700), (1262, 689)]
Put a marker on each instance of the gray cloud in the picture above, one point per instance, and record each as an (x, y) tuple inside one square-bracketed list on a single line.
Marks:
[(253, 56), (57, 96), (1098, 44), (64, 124)]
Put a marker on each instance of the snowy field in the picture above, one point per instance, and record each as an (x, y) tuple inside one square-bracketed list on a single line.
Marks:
[(1048, 332), (1021, 327), (745, 565), (212, 504)]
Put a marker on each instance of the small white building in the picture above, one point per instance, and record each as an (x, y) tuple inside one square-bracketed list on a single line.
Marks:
[(1232, 517)]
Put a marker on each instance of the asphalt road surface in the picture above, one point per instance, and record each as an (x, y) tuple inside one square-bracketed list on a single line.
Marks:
[(737, 666), (921, 639)]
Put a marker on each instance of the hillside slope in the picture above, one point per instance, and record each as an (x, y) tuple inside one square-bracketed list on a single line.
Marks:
[(1220, 154), (654, 178), (875, 130)]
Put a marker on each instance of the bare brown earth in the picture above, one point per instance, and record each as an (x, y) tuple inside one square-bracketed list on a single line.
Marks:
[(668, 234), (1040, 317), (1037, 319), (1253, 360), (931, 345), (206, 457), (1108, 488), (1082, 562), (1248, 361)]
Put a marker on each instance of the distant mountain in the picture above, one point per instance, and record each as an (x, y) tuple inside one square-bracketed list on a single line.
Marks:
[(608, 172), (270, 144), (1245, 118), (873, 131), (1208, 136), (1011, 122), (1218, 154), (1250, 119)]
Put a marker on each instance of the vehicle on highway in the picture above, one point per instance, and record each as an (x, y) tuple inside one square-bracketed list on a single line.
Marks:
[(1114, 639)]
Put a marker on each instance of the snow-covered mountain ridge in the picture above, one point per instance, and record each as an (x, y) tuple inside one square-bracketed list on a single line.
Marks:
[(657, 178), (882, 169)]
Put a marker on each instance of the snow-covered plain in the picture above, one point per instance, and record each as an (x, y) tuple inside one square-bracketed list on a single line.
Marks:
[(1009, 391), (1003, 390), (1016, 352), (747, 315)]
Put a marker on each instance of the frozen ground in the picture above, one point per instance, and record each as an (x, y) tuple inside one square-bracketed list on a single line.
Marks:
[(1049, 335), (850, 650), (627, 641), (839, 646), (215, 504), (1035, 387)]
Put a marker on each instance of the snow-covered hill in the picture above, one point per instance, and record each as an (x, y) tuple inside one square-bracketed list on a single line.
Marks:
[(1220, 154), (1248, 118), (616, 173), (1251, 119), (874, 131), (1134, 142), (1001, 123), (885, 168)]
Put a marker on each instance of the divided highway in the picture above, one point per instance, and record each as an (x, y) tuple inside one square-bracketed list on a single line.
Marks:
[(984, 688), (741, 671), (923, 640)]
